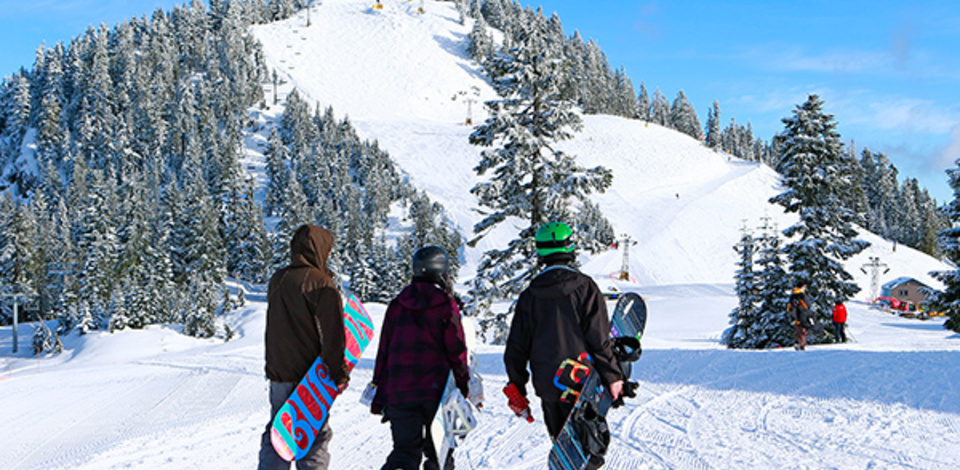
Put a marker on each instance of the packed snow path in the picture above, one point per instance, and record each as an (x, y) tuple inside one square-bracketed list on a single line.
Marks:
[(155, 399)]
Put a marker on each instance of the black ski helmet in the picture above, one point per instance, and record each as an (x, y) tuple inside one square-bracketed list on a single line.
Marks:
[(431, 261)]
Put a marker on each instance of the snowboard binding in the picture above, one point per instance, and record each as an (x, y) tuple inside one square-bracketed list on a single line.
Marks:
[(628, 350)]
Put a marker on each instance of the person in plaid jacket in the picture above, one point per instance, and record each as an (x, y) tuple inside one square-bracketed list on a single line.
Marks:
[(421, 342)]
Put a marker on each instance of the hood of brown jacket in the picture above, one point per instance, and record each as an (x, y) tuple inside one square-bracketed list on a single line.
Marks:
[(311, 246)]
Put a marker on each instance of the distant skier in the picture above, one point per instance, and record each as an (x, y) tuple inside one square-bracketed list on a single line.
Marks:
[(421, 341), (839, 321), (559, 316), (304, 320), (799, 309)]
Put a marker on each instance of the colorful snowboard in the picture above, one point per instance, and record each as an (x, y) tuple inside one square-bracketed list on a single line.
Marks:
[(583, 441), (298, 421), (455, 418)]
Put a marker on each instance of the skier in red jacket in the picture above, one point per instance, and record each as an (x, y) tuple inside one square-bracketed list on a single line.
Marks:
[(839, 321)]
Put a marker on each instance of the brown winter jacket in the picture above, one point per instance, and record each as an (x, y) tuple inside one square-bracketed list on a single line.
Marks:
[(304, 311)]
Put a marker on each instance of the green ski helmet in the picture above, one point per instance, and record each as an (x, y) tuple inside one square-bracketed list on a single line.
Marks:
[(554, 237)]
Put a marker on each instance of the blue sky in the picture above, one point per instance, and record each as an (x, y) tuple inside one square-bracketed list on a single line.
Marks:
[(888, 70)]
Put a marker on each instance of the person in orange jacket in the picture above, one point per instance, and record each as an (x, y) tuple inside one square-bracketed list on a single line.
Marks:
[(799, 309), (839, 321)]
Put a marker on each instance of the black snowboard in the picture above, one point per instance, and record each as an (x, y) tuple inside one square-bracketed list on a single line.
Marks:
[(583, 441)]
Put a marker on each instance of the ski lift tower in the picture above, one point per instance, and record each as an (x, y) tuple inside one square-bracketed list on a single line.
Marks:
[(626, 242), (469, 98), (874, 266), (18, 298)]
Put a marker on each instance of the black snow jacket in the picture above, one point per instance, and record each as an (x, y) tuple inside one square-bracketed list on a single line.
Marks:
[(561, 315), (799, 308)]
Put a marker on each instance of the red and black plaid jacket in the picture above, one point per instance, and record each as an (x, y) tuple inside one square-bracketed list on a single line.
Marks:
[(421, 341)]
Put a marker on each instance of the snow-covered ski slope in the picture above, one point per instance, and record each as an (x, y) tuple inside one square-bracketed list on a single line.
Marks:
[(395, 73), (154, 399)]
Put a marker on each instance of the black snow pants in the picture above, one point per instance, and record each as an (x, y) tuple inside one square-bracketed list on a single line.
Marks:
[(412, 441), (555, 414)]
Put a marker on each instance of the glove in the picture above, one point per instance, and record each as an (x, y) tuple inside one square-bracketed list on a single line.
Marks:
[(517, 402), (464, 391)]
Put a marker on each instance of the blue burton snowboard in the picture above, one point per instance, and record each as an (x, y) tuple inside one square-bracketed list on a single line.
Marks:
[(583, 441)]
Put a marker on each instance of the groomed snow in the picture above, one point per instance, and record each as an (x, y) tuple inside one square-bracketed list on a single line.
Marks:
[(155, 399)]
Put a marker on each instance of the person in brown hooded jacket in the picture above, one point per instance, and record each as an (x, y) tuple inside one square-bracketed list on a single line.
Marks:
[(304, 320)]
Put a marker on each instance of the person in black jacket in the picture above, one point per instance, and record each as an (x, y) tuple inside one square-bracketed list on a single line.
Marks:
[(559, 316), (799, 309)]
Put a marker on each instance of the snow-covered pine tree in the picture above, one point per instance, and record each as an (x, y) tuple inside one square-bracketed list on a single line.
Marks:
[(744, 318), (594, 231), (247, 243), (15, 107), (816, 172), (623, 101), (911, 226), (948, 299), (493, 12), (199, 264), (278, 174), (96, 245), (713, 127), (45, 340), (529, 179), (17, 253), (643, 104), (882, 192), (46, 255), (933, 222), (745, 144), (774, 328), (684, 118), (363, 273), (659, 109), (430, 228), (481, 46)]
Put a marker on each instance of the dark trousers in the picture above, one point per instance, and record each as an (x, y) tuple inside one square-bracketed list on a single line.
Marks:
[(412, 441), (838, 331), (801, 334), (555, 414), (317, 459)]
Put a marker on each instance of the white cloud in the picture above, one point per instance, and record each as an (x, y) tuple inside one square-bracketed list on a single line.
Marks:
[(951, 153), (912, 114), (841, 62)]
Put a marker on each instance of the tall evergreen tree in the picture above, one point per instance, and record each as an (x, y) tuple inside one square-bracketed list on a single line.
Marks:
[(713, 126), (775, 328), (531, 180), (643, 104), (278, 175), (684, 118), (659, 109), (481, 46), (948, 299), (816, 174), (744, 320)]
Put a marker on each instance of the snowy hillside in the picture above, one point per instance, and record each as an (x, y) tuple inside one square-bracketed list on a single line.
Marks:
[(395, 73), (156, 399)]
